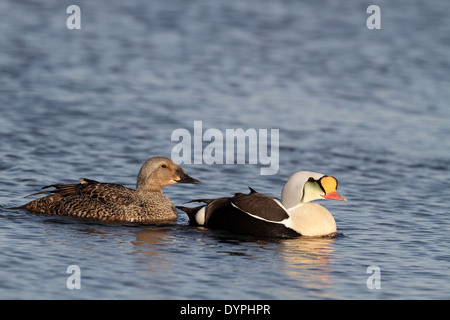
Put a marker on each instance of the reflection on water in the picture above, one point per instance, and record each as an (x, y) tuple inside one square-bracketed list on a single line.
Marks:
[(153, 243), (306, 261)]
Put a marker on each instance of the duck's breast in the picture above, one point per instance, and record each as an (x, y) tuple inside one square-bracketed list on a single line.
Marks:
[(311, 219)]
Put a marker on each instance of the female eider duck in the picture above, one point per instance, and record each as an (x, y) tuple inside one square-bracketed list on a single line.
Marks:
[(114, 202), (261, 215)]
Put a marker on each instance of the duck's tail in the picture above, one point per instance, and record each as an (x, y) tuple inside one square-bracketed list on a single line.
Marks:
[(191, 213)]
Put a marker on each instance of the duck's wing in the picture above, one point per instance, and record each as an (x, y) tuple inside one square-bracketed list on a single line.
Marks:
[(91, 189), (251, 214), (260, 206), (254, 204)]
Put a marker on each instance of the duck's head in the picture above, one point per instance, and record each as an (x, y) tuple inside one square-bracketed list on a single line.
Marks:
[(159, 172), (306, 186)]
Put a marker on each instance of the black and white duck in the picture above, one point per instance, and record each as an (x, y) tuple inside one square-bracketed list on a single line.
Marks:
[(261, 215)]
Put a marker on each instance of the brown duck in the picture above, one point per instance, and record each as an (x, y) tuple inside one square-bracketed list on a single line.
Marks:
[(114, 202)]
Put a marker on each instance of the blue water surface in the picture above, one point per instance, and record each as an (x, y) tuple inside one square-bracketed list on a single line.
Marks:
[(370, 107)]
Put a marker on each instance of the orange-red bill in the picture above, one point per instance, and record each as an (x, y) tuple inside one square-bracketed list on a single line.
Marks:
[(334, 196)]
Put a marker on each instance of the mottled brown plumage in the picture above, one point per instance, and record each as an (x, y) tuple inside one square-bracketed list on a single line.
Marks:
[(114, 202)]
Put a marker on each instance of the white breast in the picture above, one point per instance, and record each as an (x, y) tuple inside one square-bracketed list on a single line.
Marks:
[(311, 219)]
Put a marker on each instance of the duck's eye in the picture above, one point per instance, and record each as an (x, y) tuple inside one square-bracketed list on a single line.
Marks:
[(311, 179), (163, 166)]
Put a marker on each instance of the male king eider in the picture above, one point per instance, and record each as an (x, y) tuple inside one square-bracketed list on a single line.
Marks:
[(114, 202), (260, 215)]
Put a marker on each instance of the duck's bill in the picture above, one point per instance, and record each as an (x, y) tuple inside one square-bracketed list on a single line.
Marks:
[(184, 178), (334, 196)]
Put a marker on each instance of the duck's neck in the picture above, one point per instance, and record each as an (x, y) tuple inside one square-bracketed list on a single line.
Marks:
[(292, 209), (143, 189)]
